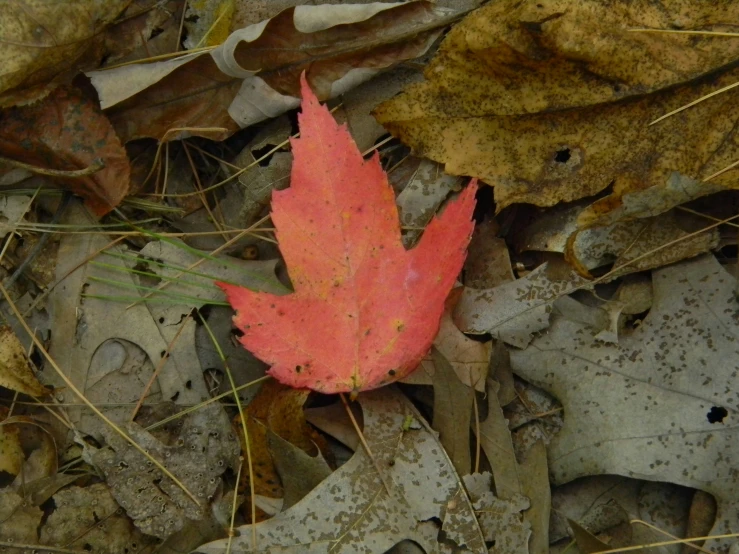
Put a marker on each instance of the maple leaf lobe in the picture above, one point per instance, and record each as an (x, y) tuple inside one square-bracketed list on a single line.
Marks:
[(365, 310)]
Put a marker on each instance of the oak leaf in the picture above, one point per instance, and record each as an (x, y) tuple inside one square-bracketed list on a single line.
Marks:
[(365, 311)]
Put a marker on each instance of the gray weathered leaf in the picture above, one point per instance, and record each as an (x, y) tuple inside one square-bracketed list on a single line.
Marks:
[(660, 404), (358, 509)]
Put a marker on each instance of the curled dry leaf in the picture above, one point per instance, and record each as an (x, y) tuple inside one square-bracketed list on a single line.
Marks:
[(254, 74), (365, 310), (550, 101), (67, 132), (659, 404)]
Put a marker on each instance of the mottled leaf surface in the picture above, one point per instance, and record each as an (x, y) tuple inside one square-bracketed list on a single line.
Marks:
[(369, 507), (662, 403)]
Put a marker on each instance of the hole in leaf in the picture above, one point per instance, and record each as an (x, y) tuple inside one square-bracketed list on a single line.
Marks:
[(717, 414), (562, 156)]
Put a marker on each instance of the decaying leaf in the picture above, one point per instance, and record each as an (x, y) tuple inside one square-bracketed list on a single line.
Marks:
[(67, 132), (15, 370), (276, 409), (203, 449), (89, 518), (12, 211), (658, 404), (550, 101), (420, 199), (254, 74), (365, 310), (44, 39), (629, 246), (19, 519), (488, 263), (358, 508)]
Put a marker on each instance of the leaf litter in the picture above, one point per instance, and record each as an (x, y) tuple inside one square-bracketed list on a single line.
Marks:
[(601, 265)]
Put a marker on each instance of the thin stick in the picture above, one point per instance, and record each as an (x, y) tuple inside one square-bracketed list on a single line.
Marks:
[(182, 26), (721, 171), (478, 445), (205, 403), (40, 548), (89, 404), (658, 530), (66, 174), (683, 32), (356, 426), (231, 531), (694, 102), (245, 429), (666, 543)]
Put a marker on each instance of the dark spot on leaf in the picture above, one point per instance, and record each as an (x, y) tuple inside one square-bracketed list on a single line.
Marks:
[(391, 373), (562, 156), (298, 368), (717, 414)]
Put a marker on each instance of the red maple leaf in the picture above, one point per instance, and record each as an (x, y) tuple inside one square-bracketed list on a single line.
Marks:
[(365, 310)]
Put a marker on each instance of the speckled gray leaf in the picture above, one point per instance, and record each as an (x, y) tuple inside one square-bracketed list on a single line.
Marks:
[(202, 450), (501, 520), (89, 518), (367, 506), (422, 196), (660, 405), (514, 311)]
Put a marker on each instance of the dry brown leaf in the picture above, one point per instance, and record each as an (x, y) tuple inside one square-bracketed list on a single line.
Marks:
[(42, 40), (67, 132), (254, 74), (11, 450), (15, 370), (549, 101), (279, 409)]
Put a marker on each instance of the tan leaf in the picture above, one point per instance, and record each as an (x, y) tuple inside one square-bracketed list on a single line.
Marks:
[(41, 40), (15, 371), (550, 101), (11, 451)]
